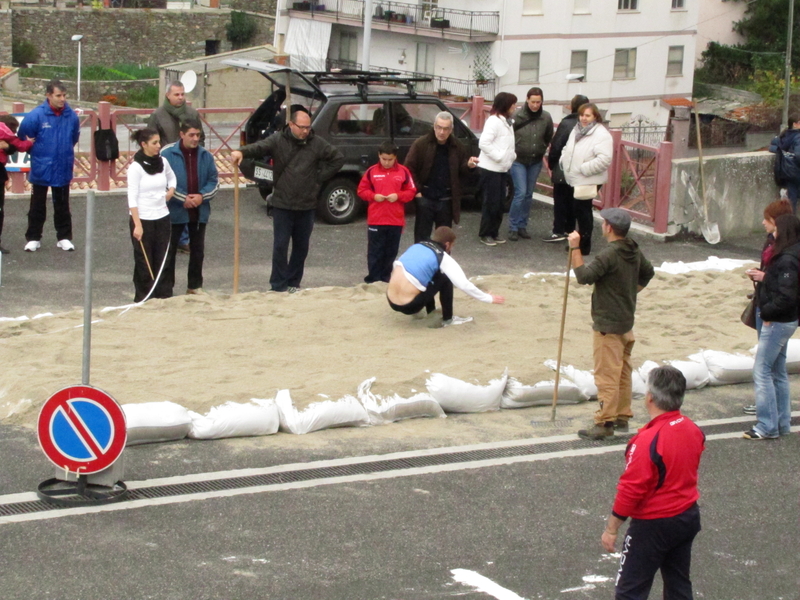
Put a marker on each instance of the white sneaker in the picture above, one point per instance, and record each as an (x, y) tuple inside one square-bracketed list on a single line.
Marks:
[(65, 245), (456, 321), (32, 246)]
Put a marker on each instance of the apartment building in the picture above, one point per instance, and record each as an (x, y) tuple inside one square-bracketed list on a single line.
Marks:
[(626, 55)]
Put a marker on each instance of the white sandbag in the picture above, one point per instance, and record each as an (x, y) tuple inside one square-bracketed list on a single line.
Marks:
[(382, 410), (156, 422), (696, 373), (792, 355), (639, 378), (712, 264), (583, 379), (725, 368), (236, 420), (346, 412), (518, 395), (457, 396)]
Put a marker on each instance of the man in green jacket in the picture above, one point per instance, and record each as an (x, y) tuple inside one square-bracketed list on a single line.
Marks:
[(302, 162), (618, 273)]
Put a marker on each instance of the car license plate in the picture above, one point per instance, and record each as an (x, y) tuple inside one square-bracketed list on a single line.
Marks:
[(262, 173)]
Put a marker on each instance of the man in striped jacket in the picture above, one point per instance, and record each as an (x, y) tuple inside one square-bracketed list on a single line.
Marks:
[(658, 490)]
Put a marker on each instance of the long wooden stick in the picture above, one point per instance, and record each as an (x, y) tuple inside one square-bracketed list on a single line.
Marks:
[(561, 334), (147, 260), (235, 228)]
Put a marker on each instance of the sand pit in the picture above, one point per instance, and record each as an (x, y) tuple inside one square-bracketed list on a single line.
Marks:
[(201, 351)]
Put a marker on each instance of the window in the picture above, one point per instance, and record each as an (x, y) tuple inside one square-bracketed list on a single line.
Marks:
[(678, 4), (582, 7), (348, 47), (532, 7), (675, 61), (577, 63), (360, 119), (625, 63), (413, 119), (628, 4), (529, 67)]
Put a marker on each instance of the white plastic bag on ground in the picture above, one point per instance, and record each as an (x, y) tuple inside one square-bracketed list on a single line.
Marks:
[(725, 368), (792, 355), (583, 379), (156, 422), (236, 420), (518, 395), (382, 411), (695, 372), (346, 412), (455, 395)]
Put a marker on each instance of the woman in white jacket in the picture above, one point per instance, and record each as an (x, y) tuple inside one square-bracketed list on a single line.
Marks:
[(497, 155), (151, 182), (585, 162)]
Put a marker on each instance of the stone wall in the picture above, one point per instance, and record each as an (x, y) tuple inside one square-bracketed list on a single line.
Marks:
[(5, 37), (113, 36), (264, 7), (738, 187), (91, 91)]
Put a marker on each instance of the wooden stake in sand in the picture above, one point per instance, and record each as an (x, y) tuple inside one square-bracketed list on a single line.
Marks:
[(235, 227), (147, 260), (561, 334)]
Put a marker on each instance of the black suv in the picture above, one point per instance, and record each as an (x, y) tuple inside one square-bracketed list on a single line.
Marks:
[(353, 110)]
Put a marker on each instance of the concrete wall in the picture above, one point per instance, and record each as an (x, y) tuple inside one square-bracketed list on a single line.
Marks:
[(149, 37), (738, 187)]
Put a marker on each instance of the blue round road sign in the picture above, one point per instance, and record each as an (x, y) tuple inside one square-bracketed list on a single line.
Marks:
[(82, 429)]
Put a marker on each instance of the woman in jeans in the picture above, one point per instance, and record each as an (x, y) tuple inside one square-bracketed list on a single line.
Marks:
[(497, 155), (777, 295)]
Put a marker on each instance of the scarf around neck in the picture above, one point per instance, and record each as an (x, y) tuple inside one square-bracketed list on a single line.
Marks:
[(176, 112), (583, 131), (152, 165)]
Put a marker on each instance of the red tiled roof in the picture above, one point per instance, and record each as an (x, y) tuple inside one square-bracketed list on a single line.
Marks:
[(678, 102)]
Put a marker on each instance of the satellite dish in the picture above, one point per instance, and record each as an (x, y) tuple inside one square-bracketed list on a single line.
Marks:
[(501, 67), (189, 80)]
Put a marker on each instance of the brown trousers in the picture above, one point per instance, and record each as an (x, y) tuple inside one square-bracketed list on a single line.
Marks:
[(612, 375)]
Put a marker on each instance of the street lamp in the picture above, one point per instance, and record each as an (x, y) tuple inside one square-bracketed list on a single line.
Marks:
[(78, 38)]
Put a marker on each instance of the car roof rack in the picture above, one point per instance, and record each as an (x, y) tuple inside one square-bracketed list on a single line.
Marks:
[(362, 79)]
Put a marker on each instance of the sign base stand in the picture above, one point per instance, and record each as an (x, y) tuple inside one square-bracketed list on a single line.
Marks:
[(103, 487)]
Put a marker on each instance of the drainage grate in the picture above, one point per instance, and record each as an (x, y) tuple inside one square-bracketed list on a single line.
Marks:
[(380, 466)]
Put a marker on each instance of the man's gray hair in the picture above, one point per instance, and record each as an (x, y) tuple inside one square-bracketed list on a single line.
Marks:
[(174, 84), (445, 116), (666, 386)]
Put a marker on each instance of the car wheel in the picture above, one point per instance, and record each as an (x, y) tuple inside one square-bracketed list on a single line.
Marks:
[(339, 202)]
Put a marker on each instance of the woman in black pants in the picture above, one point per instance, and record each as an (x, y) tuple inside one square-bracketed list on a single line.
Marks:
[(497, 155)]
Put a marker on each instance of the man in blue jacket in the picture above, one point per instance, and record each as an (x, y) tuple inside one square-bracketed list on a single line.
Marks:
[(197, 184), (55, 128)]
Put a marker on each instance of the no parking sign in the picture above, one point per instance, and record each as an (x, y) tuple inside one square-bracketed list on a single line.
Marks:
[(82, 429)]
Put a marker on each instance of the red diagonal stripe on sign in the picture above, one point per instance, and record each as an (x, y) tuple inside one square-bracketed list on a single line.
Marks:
[(84, 434)]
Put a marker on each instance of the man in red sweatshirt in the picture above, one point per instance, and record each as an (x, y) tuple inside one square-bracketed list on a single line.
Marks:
[(658, 490), (386, 186)]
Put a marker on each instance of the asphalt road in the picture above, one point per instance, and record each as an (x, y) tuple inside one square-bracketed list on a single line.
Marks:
[(532, 527)]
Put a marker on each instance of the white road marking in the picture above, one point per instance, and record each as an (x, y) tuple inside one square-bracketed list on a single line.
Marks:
[(484, 584), (199, 477)]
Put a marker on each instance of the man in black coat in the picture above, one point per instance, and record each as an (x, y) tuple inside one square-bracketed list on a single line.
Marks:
[(302, 162)]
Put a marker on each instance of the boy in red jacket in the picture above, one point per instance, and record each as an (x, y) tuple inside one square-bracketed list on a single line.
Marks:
[(386, 187)]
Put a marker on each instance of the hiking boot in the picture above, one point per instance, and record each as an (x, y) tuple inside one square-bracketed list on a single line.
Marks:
[(555, 237), (194, 291), (499, 240), (523, 233), (513, 236), (750, 409), (488, 241), (599, 431), (621, 425)]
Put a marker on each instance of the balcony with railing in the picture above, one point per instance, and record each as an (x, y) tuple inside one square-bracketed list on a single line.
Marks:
[(447, 88), (448, 23)]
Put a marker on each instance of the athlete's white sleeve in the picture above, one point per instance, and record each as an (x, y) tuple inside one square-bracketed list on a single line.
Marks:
[(456, 275)]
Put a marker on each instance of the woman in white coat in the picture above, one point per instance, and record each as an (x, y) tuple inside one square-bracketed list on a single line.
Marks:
[(585, 162), (497, 155)]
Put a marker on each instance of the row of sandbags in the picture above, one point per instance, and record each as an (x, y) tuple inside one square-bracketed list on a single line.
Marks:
[(164, 421)]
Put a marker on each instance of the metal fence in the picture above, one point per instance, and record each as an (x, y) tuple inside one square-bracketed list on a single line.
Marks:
[(414, 16)]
